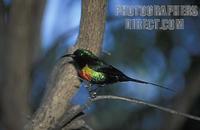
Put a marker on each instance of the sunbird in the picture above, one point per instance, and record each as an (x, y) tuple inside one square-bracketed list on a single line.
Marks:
[(96, 71)]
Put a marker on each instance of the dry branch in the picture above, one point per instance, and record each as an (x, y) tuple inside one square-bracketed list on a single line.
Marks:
[(68, 117), (141, 102)]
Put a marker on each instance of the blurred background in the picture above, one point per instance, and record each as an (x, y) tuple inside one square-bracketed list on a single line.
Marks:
[(34, 34)]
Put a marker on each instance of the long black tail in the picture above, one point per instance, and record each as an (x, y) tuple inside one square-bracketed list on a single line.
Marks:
[(144, 82)]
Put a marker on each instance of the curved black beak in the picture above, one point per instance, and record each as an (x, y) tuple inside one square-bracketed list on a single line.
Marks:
[(68, 55)]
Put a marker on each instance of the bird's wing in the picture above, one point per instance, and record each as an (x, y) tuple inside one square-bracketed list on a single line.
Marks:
[(95, 62), (109, 70)]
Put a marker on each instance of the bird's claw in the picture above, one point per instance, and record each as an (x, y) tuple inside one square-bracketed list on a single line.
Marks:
[(93, 94), (91, 90)]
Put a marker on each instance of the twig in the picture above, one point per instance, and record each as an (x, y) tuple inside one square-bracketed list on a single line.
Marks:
[(138, 101), (68, 117)]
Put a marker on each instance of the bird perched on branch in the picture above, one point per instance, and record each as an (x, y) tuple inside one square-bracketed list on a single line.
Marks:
[(96, 71)]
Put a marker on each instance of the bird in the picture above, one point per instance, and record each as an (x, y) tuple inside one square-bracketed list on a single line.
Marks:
[(96, 71)]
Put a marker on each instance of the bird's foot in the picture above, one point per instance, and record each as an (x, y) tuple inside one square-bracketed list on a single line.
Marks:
[(92, 89), (102, 85), (93, 94)]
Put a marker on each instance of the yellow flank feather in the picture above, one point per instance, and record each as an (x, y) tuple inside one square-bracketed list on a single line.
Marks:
[(96, 76), (87, 70)]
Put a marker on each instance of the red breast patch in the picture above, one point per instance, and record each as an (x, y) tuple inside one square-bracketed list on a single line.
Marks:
[(85, 76)]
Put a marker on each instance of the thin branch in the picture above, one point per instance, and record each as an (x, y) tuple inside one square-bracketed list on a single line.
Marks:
[(141, 102), (69, 115)]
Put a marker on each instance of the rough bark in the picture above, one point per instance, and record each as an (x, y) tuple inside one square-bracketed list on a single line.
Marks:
[(20, 36), (63, 82)]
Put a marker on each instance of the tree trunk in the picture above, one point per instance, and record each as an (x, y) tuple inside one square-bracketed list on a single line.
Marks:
[(21, 40), (63, 82)]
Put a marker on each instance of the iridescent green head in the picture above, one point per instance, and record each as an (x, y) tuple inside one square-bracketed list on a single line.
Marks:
[(84, 53), (83, 57)]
